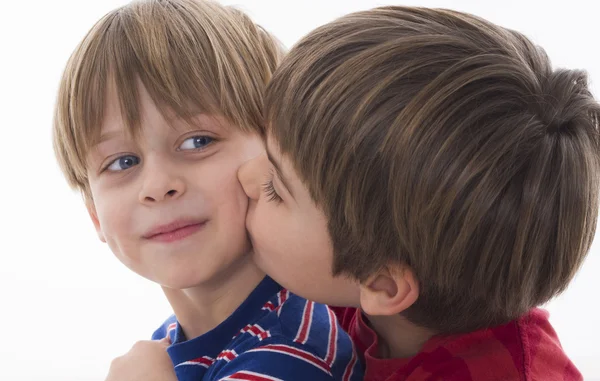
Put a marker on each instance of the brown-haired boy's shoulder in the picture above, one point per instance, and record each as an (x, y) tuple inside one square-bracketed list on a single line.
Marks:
[(523, 349)]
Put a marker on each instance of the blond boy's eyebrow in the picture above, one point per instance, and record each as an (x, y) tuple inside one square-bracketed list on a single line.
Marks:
[(108, 136), (278, 171)]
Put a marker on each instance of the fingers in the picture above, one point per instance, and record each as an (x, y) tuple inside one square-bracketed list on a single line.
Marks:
[(166, 341)]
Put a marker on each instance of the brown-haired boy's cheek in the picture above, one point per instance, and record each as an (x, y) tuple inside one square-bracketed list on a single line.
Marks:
[(290, 237)]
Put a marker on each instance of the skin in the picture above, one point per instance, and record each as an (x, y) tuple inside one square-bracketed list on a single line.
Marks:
[(289, 232), (176, 171), (134, 365)]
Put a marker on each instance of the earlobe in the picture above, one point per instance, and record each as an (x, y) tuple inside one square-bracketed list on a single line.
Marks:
[(94, 217), (389, 291)]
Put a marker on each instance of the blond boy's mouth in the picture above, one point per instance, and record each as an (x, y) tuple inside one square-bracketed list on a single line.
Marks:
[(175, 230)]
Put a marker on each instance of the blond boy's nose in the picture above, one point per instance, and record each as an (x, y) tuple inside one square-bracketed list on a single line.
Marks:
[(160, 196), (161, 187)]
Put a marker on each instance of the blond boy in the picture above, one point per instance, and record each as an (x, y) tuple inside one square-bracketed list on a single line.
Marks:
[(158, 107)]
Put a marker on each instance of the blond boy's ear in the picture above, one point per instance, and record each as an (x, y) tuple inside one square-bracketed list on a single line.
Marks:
[(389, 291), (91, 208)]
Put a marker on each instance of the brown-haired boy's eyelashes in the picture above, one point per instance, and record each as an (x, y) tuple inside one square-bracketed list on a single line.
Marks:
[(269, 189)]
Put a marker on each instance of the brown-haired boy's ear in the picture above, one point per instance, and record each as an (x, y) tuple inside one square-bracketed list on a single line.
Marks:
[(389, 291), (94, 216)]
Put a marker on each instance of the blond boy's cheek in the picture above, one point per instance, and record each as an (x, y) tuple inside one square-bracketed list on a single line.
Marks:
[(120, 254)]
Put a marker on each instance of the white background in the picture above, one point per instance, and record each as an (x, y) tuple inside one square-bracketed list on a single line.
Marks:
[(67, 306)]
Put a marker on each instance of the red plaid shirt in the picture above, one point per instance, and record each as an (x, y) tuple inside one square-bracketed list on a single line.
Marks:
[(526, 349)]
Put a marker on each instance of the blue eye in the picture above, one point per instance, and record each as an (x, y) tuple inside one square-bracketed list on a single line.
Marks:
[(195, 143), (123, 163)]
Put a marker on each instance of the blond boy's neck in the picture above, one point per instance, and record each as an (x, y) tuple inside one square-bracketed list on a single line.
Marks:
[(202, 308)]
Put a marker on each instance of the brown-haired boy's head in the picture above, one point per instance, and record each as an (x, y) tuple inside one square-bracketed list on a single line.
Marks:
[(439, 148)]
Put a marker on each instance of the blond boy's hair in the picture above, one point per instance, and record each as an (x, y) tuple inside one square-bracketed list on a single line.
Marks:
[(193, 56), (437, 140)]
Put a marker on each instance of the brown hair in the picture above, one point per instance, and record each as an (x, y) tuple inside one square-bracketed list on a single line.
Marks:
[(437, 140), (191, 55)]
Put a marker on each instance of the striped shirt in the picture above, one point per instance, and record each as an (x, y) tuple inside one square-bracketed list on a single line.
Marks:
[(273, 335), (526, 349)]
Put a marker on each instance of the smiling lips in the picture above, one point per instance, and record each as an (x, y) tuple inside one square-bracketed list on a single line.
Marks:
[(174, 231)]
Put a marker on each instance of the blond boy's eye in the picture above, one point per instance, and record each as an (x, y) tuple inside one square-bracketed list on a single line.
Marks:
[(123, 163), (195, 143)]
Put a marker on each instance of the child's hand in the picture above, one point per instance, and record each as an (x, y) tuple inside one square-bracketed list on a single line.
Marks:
[(145, 361)]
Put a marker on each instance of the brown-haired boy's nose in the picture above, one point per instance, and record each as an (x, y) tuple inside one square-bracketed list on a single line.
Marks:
[(250, 175)]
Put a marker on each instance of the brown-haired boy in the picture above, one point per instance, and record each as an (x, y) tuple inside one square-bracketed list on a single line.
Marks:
[(159, 106), (441, 162)]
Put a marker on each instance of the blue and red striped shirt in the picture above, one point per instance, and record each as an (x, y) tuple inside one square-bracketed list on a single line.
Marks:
[(273, 335)]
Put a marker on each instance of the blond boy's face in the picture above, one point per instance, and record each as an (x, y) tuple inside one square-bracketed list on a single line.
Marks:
[(289, 232), (169, 203)]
